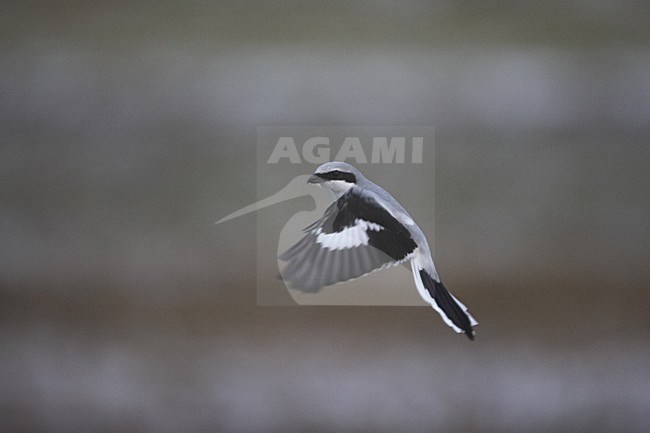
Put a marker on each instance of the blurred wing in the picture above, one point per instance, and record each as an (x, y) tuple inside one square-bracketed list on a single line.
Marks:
[(355, 236)]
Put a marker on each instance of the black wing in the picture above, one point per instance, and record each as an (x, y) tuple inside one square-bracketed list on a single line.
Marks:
[(355, 236)]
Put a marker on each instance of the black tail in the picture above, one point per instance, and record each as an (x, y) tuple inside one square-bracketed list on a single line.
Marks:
[(448, 304)]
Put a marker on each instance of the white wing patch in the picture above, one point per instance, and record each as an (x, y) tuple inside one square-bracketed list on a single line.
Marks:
[(349, 237)]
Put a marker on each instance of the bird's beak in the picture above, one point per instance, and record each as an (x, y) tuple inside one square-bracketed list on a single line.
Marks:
[(314, 178)]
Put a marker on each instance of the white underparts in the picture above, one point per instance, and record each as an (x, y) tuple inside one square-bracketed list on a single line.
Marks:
[(350, 237), (338, 187)]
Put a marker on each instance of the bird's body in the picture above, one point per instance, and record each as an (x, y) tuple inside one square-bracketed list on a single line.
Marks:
[(363, 230)]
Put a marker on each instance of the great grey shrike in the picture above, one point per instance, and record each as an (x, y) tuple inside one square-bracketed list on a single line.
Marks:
[(363, 230)]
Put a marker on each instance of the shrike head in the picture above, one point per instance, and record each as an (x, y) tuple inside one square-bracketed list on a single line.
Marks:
[(336, 176)]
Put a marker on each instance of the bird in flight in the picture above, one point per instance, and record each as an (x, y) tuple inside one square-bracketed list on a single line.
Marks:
[(363, 230)]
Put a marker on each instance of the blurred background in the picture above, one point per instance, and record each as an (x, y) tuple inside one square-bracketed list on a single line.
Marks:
[(128, 128)]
